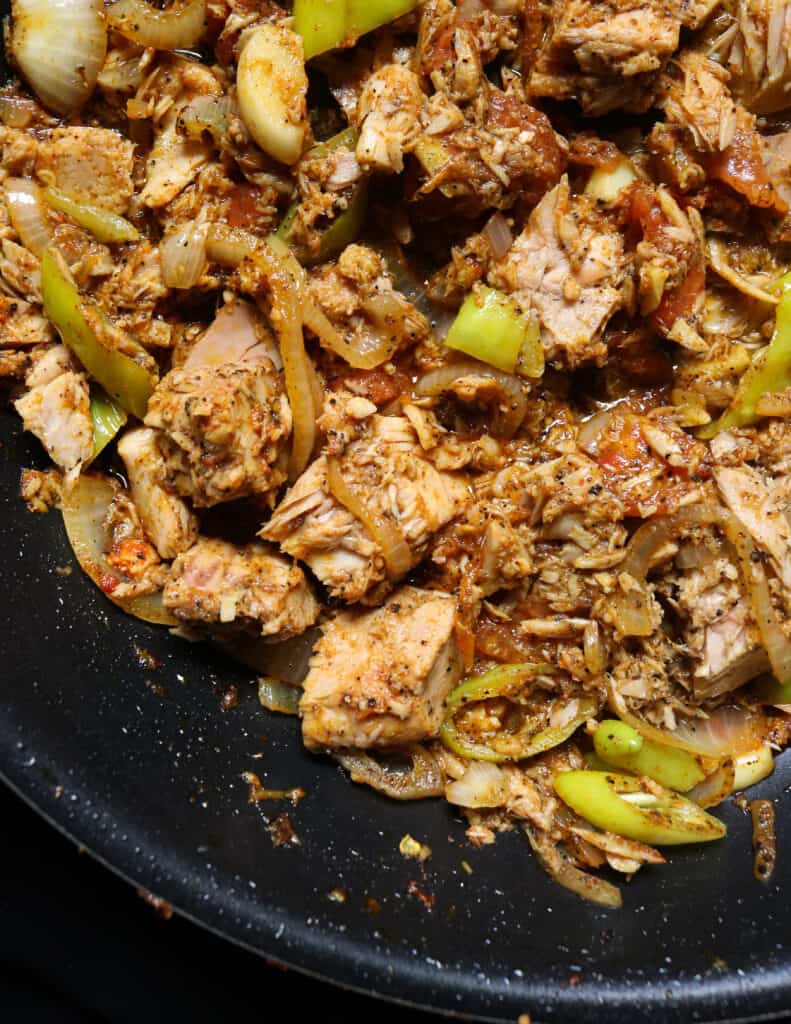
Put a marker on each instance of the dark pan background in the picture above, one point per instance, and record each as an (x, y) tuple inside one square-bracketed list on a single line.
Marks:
[(141, 767)]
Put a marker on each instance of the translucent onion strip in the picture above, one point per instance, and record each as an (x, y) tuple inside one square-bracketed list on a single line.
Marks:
[(180, 27), (386, 533), (26, 210), (424, 779), (59, 45), (183, 256)]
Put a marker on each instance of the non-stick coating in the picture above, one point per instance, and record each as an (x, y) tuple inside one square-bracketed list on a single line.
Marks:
[(141, 766)]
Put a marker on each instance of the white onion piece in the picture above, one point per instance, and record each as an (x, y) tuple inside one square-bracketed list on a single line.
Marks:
[(514, 400), (59, 46), (84, 506), (26, 209), (482, 785), (424, 779), (276, 696), (177, 28), (589, 887), (183, 256), (498, 235), (715, 787)]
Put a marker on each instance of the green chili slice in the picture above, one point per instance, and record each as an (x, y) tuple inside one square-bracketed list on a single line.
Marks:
[(621, 746)]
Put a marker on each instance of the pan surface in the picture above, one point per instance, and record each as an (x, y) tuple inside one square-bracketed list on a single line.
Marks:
[(115, 731), (140, 765)]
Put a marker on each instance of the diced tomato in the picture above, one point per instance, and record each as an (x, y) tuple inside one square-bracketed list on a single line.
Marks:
[(244, 211), (440, 49), (741, 167), (378, 386), (682, 300), (107, 582), (131, 556)]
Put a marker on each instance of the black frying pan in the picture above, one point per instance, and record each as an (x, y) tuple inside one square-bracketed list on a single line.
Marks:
[(142, 767)]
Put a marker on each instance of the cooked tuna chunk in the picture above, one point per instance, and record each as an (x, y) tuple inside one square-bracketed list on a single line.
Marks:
[(569, 264), (754, 48), (93, 165), (253, 587), (57, 409), (166, 518), (388, 471), (748, 496), (389, 109), (21, 324), (174, 161), (225, 430), (698, 98), (721, 632), (380, 678), (235, 335), (605, 53)]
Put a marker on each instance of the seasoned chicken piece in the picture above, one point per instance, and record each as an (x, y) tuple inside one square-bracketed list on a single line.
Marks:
[(251, 587), (173, 162), (57, 409), (136, 283), (380, 678), (166, 518), (236, 335), (20, 271), (721, 632), (698, 98), (569, 264), (93, 165), (389, 112), (21, 324), (225, 430), (356, 292), (388, 471), (756, 49), (745, 492), (605, 53)]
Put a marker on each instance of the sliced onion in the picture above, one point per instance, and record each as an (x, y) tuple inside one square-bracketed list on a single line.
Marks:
[(229, 246), (177, 28), (183, 256), (16, 111), (753, 766), (725, 732), (423, 780), (276, 696), (386, 533), (482, 785), (508, 420), (715, 787), (26, 209), (84, 508), (718, 258), (589, 887), (59, 46), (205, 114), (366, 353), (498, 235), (632, 608)]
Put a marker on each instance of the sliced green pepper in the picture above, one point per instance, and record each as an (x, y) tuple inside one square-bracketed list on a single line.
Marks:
[(86, 332), (326, 24), (108, 418), (621, 746), (531, 739), (490, 327), (348, 223), (770, 372), (102, 224), (620, 804)]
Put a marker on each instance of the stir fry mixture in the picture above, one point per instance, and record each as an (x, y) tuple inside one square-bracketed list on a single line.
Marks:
[(445, 344)]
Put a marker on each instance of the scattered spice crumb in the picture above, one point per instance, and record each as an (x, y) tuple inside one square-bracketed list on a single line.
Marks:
[(425, 898), (337, 895), (230, 699), (764, 840), (157, 689), (466, 867), (40, 489), (162, 907), (413, 850), (573, 979), (145, 659), (372, 905), (282, 832), (258, 791), (719, 964), (524, 1018), (742, 803), (64, 570), (58, 792)]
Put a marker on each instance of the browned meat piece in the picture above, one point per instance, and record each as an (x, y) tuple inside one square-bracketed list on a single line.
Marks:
[(605, 53), (166, 518), (762, 512), (252, 587), (225, 430), (21, 324), (569, 264), (697, 97), (389, 115), (455, 43), (499, 152), (754, 47), (56, 408), (136, 284), (93, 165), (388, 469), (236, 335), (380, 678), (356, 292), (721, 632)]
